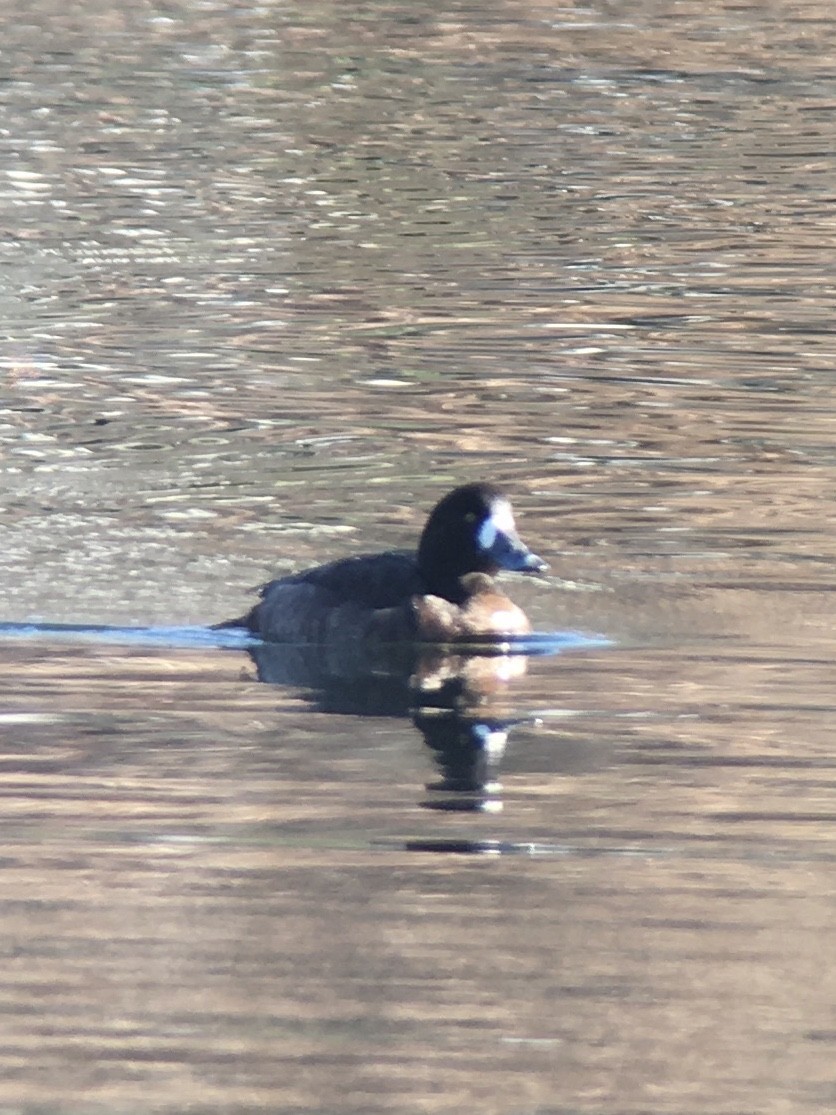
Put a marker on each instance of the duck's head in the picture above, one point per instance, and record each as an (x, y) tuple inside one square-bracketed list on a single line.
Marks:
[(471, 530)]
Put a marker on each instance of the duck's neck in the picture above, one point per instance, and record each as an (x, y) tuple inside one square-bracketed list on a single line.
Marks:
[(450, 583)]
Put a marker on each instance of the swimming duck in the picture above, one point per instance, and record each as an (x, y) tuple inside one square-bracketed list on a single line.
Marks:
[(443, 591)]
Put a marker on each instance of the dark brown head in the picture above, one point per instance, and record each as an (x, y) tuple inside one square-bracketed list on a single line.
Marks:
[(471, 530)]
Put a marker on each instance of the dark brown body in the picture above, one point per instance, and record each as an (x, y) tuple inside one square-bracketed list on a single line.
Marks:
[(307, 613)]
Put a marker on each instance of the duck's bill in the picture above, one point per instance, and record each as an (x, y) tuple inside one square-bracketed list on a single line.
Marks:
[(510, 552), (505, 549)]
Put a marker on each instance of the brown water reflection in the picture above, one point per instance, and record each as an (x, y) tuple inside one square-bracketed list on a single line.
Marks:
[(275, 276), (211, 891)]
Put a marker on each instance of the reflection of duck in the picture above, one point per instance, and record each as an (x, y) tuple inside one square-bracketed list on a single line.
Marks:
[(443, 591), (379, 680), (457, 701)]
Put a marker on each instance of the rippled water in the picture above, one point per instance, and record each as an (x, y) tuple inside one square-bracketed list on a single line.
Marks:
[(275, 276)]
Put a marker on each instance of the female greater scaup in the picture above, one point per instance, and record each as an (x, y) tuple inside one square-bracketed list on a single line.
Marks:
[(444, 591)]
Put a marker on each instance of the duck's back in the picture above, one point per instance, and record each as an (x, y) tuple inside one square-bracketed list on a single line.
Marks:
[(339, 600)]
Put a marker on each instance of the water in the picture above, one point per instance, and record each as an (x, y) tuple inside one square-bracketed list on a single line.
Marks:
[(274, 277)]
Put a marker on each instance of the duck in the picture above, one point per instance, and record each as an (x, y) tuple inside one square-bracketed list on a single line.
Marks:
[(444, 591)]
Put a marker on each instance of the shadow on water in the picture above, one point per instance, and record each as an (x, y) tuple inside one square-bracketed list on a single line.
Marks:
[(456, 696)]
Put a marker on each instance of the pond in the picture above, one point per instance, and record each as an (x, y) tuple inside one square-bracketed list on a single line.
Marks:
[(276, 277)]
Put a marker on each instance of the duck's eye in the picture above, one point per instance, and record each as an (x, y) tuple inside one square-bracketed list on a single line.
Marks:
[(470, 517)]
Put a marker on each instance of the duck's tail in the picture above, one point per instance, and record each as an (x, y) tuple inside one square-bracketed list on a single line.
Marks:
[(241, 621)]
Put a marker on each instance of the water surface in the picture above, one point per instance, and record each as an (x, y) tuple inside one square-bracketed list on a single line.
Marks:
[(275, 276)]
